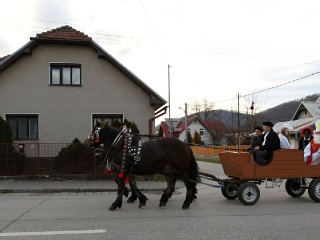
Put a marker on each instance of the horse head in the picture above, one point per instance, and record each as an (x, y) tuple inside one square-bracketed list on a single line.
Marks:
[(93, 138)]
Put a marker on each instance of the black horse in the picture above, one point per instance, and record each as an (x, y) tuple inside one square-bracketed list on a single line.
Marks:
[(167, 156)]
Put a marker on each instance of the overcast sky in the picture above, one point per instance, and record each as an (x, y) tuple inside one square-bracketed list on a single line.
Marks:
[(262, 50)]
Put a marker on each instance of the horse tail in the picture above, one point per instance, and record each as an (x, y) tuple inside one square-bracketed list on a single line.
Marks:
[(193, 170)]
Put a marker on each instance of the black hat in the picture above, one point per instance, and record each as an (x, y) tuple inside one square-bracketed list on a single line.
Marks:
[(259, 128), (269, 124)]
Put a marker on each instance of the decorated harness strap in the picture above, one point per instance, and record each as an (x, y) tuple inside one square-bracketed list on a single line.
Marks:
[(135, 152)]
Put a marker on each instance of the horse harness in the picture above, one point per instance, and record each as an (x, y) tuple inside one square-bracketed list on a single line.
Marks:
[(125, 138)]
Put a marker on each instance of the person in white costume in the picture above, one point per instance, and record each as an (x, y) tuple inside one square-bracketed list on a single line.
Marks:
[(312, 150)]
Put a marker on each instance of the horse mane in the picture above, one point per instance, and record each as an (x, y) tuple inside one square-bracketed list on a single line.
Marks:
[(108, 133)]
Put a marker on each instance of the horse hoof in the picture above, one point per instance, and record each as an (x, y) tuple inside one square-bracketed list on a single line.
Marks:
[(115, 205), (131, 200), (185, 206), (142, 204), (162, 204), (112, 208)]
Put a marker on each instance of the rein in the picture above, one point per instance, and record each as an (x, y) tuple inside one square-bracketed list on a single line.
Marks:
[(116, 141)]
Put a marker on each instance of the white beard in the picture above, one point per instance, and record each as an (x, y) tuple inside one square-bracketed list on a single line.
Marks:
[(316, 138)]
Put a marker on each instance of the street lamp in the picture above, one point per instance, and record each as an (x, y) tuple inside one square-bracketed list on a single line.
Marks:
[(185, 120)]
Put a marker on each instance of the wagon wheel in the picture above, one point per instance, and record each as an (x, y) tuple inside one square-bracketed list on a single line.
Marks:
[(248, 193), (230, 190), (293, 187), (314, 190)]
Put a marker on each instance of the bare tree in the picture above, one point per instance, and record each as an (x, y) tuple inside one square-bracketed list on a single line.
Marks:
[(203, 110), (207, 108), (196, 109)]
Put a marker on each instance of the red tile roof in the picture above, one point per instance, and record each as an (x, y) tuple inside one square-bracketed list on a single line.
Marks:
[(64, 33), (217, 126)]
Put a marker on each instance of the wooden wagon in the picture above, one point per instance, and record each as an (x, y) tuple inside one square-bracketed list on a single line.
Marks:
[(244, 175)]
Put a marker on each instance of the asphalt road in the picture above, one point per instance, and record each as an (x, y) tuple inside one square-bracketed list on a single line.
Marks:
[(86, 216)]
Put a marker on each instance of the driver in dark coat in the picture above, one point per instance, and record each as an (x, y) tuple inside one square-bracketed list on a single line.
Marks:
[(263, 154)]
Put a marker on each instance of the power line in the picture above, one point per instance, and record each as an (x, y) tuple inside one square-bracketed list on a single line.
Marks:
[(280, 85), (283, 55), (154, 32)]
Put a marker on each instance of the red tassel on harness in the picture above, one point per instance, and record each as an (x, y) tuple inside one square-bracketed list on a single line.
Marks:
[(126, 180), (120, 175), (106, 171)]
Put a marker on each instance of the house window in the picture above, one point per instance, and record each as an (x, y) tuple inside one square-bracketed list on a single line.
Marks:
[(109, 118), (65, 74), (23, 126), (201, 131)]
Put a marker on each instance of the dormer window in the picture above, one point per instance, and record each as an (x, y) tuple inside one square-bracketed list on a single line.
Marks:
[(66, 74)]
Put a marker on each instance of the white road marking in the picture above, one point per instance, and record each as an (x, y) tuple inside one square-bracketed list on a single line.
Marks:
[(16, 234)]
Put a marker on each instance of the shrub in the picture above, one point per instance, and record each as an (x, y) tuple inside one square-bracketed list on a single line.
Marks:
[(76, 158), (11, 161)]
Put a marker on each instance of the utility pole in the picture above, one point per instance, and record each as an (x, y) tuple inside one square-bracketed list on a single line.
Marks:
[(238, 123), (170, 122), (186, 121)]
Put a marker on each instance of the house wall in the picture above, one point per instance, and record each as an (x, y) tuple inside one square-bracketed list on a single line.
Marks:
[(196, 126), (65, 111), (303, 115), (293, 142)]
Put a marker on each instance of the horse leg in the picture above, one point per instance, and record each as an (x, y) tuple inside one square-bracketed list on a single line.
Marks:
[(132, 184), (126, 191), (121, 190), (136, 192), (172, 189), (190, 195), (168, 192), (194, 191)]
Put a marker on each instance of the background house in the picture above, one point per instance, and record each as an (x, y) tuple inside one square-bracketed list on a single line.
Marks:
[(307, 109), (296, 125), (54, 88), (306, 114), (209, 131)]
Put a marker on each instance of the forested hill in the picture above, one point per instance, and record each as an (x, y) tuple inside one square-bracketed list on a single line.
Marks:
[(285, 111), (280, 113)]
